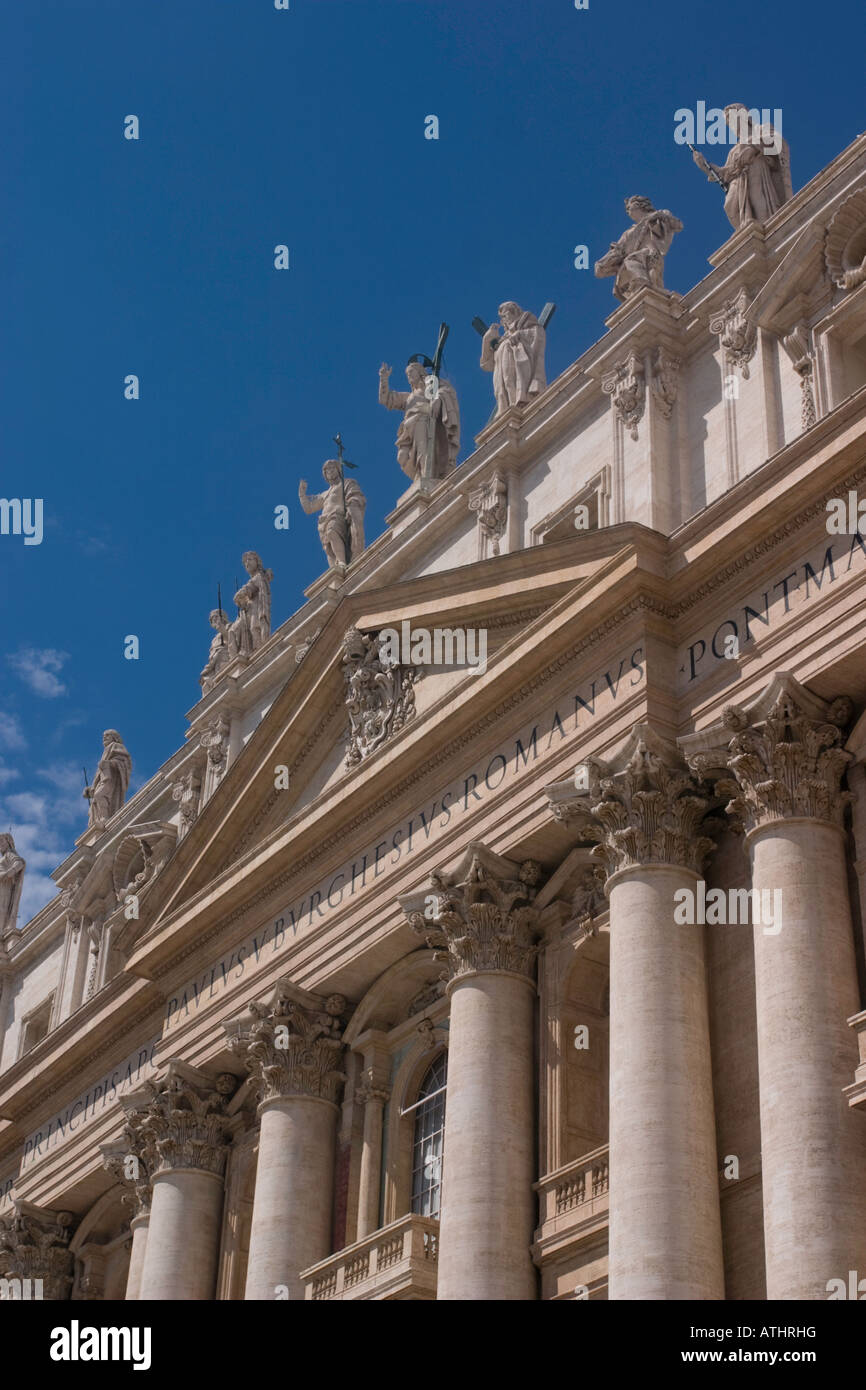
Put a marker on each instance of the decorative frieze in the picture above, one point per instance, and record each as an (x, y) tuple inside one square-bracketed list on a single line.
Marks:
[(736, 332), (796, 344), (133, 1161), (182, 1120), (490, 503), (34, 1244), (665, 379), (187, 792), (480, 916), (292, 1045), (626, 385), (780, 757), (642, 807), (380, 696)]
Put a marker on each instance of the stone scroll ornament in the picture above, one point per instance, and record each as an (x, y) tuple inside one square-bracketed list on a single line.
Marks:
[(181, 1120), (845, 245), (788, 763), (636, 260), (756, 176), (380, 695), (34, 1244), (107, 792), (291, 1045), (12, 868), (516, 357), (481, 915), (643, 807)]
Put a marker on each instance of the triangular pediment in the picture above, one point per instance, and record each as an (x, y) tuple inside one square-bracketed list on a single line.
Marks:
[(304, 737)]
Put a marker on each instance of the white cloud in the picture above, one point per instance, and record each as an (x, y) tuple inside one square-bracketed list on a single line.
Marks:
[(38, 670), (44, 826), (11, 735)]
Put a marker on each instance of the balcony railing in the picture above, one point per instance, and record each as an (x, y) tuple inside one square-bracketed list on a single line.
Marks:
[(397, 1262), (571, 1241)]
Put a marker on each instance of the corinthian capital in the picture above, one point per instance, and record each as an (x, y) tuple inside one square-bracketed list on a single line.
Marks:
[(641, 807), (291, 1045), (480, 917), (779, 757), (34, 1244), (184, 1119)]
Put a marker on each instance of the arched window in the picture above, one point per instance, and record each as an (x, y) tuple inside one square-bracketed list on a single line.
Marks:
[(429, 1134)]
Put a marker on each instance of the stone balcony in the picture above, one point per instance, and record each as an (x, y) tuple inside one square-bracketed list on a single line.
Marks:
[(397, 1262), (571, 1241)]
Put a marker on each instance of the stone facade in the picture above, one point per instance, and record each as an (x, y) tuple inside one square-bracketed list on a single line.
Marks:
[(542, 980)]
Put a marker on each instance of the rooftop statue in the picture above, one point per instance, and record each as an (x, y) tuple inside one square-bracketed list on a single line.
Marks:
[(637, 259), (756, 176), (516, 359), (107, 793), (220, 651), (254, 601), (341, 525), (12, 868), (429, 435)]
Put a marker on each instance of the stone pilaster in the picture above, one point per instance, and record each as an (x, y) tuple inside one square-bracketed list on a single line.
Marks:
[(179, 1128), (34, 1245), (781, 760), (131, 1162), (373, 1097), (647, 817), (292, 1046), (481, 920)]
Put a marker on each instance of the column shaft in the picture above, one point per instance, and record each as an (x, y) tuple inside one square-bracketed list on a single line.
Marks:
[(488, 1207), (180, 1261), (665, 1225), (813, 1146), (292, 1208), (371, 1169), (139, 1227)]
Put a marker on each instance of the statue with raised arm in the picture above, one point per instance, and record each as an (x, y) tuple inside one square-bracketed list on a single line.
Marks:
[(516, 359), (107, 793), (637, 259), (756, 176), (341, 525), (254, 599), (429, 435), (12, 868), (220, 652)]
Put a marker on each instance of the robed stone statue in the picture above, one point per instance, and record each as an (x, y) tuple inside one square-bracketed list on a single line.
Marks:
[(428, 439), (516, 359), (107, 792), (756, 176), (12, 868), (637, 258)]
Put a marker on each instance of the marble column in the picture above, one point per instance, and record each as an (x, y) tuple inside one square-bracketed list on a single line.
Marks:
[(783, 761), (34, 1247), (130, 1161), (485, 926), (373, 1098), (292, 1046), (183, 1124), (645, 813), (139, 1226)]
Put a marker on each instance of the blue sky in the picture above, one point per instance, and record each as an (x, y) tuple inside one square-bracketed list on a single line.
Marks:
[(155, 257)]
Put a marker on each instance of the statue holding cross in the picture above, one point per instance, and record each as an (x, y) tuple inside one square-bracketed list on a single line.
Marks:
[(341, 525), (516, 359), (429, 435)]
